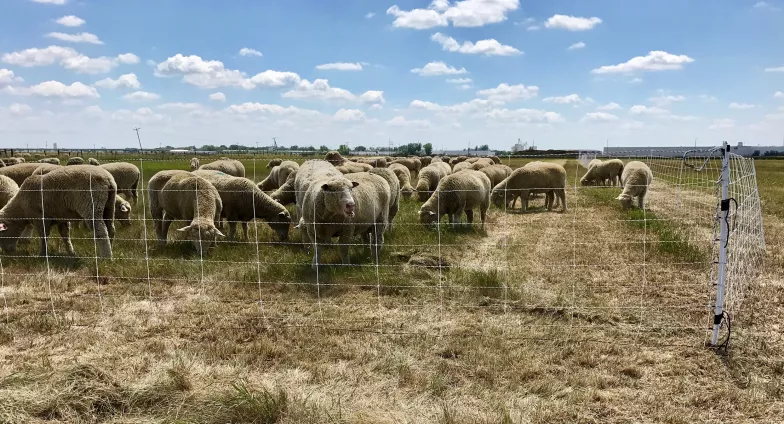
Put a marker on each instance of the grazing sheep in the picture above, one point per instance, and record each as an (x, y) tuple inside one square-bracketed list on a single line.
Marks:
[(12, 161), (604, 172), (425, 160), (127, 176), (429, 177), (436, 159), (461, 166), (404, 179), (495, 159), (53, 161), (456, 193), (192, 198), (456, 160), (278, 175), (67, 194), (227, 166), (535, 177), (379, 162), (635, 179), (335, 158), (194, 164), (21, 171), (76, 160), (472, 159), (8, 189), (93, 161), (243, 201), (414, 165), (446, 159), (496, 173), (374, 204), (394, 191), (122, 211), (285, 194), (481, 163), (349, 167), (389, 159), (273, 163)]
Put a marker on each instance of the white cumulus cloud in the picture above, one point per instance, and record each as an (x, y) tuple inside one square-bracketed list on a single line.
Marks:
[(740, 106), (563, 100), (571, 23), (719, 124), (464, 13), (599, 117), (128, 59), (7, 77), (647, 110), (213, 74), (57, 2), (71, 21), (124, 81), (66, 57), (346, 115), (246, 51), (609, 106), (654, 61), (507, 93), (141, 96), (459, 80), (19, 109), (489, 47), (576, 46), (776, 69), (58, 89), (218, 97), (82, 37), (666, 99), (340, 66), (372, 96), (438, 68), (779, 94)]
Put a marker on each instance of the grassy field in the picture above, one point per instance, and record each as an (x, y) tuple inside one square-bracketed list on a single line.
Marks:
[(593, 315)]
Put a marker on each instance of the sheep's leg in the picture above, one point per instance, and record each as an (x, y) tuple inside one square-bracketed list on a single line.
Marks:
[(548, 200), (101, 236), (469, 217), (42, 228), (524, 200), (562, 196), (164, 235), (232, 230), (344, 240), (245, 230), (65, 233), (641, 198), (483, 215), (27, 233)]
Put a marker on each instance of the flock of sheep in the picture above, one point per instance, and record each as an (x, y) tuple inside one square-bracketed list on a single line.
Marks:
[(334, 197)]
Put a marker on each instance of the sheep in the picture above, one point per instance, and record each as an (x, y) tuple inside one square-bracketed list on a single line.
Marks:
[(460, 166), (472, 159), (24, 155), (436, 159), (335, 158), (80, 192), (458, 192), (394, 191), (310, 171), (194, 164), (224, 158), (404, 179), (187, 197), (495, 159), (429, 177), (610, 170), (636, 178), (285, 194), (127, 177), (53, 161), (8, 189), (2, 163), (12, 161), (481, 163), (535, 177), (455, 161), (93, 161), (425, 160), (273, 163), (76, 160), (243, 201), (496, 173), (389, 159), (374, 162), (349, 167), (278, 175), (377, 203), (227, 166), (122, 211), (413, 164), (21, 171)]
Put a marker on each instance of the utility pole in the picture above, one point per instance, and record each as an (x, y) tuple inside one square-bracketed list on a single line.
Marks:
[(138, 138)]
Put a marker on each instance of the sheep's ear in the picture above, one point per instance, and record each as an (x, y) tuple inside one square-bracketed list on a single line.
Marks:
[(325, 187), (283, 214), (124, 208), (3, 227), (218, 233), (184, 229), (432, 213), (354, 184)]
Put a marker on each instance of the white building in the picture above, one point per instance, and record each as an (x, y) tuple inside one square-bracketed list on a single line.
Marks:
[(678, 151)]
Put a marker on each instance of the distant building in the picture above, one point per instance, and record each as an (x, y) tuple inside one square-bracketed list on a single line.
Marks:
[(678, 151), (54, 146), (464, 152), (180, 151)]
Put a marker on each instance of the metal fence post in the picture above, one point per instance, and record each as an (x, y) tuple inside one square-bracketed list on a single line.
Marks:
[(723, 238)]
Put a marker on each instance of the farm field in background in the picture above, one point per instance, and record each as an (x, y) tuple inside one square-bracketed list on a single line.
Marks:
[(593, 315)]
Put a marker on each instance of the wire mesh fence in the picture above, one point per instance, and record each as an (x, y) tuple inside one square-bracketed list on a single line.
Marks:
[(587, 270)]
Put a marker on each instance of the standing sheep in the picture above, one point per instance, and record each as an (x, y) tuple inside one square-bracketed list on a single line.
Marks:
[(273, 163), (600, 173), (371, 219), (243, 201), (285, 194), (93, 161), (335, 158), (20, 172), (460, 166), (379, 162), (227, 166), (495, 159), (127, 176), (457, 193), (535, 177), (636, 178), (8, 189), (429, 177), (76, 160), (53, 161), (349, 167), (414, 165), (425, 160), (481, 163), (394, 191), (278, 175), (404, 179), (75, 193), (194, 164), (191, 198), (309, 172), (496, 173)]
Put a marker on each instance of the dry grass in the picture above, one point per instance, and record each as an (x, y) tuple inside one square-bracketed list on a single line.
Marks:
[(588, 316)]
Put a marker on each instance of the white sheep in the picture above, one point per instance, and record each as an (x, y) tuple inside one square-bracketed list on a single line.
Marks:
[(335, 158), (429, 177), (349, 167), (374, 203), (194, 164), (8, 189), (278, 176), (394, 191), (404, 179), (375, 162), (227, 166), (285, 194), (80, 192), (273, 163), (122, 211), (243, 201), (496, 173), (461, 166), (457, 193), (535, 177), (414, 165), (187, 197), (93, 161), (607, 172), (481, 163), (53, 161), (636, 178), (76, 160), (127, 177), (425, 160), (21, 171)]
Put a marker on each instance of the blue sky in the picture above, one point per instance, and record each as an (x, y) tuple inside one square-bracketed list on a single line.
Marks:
[(566, 74)]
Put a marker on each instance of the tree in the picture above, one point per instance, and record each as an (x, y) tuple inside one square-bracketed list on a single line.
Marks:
[(323, 149), (360, 149), (483, 147), (410, 149), (756, 153), (343, 150), (428, 148)]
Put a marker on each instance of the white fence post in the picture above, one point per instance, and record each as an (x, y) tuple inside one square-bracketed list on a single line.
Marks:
[(723, 238)]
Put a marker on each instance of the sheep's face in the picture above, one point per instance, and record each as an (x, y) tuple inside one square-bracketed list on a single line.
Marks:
[(281, 225), (427, 217), (407, 192), (338, 199), (10, 231), (585, 181), (122, 212), (334, 158), (500, 197), (626, 201), (201, 235)]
